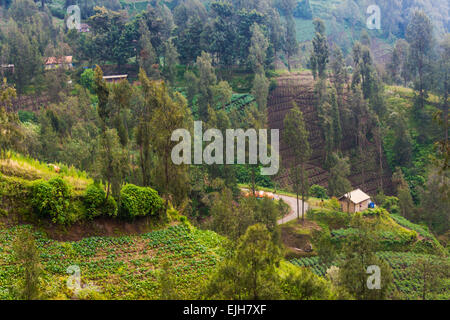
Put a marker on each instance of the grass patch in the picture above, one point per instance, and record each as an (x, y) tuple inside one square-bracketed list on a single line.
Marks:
[(27, 168)]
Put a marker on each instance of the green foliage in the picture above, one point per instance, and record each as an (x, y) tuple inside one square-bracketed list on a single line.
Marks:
[(408, 278), (192, 254), (295, 135), (428, 245), (139, 201), (232, 221), (244, 175), (27, 116), (319, 57), (338, 184), (408, 282), (389, 235), (318, 192), (393, 232), (96, 203), (324, 246), (391, 204), (375, 212), (422, 230), (249, 271), (51, 199), (303, 284), (333, 219), (26, 255), (334, 204), (87, 79), (359, 254), (167, 283)]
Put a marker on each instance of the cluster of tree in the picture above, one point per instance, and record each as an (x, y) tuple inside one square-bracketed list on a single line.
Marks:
[(422, 63), (395, 15), (356, 112), (253, 270), (27, 37), (224, 31)]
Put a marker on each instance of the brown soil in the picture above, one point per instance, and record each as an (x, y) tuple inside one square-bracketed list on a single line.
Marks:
[(295, 241)]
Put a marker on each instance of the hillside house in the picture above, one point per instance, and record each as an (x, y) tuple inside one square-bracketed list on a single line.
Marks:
[(58, 62), (8, 68), (355, 201), (115, 78), (83, 27)]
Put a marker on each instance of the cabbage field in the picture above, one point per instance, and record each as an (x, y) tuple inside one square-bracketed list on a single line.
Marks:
[(126, 267), (407, 279)]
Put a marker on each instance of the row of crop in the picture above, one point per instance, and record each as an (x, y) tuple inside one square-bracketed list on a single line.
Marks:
[(422, 230), (387, 240), (125, 267), (407, 277), (239, 100)]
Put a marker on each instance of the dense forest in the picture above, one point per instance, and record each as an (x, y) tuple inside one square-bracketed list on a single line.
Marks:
[(89, 105)]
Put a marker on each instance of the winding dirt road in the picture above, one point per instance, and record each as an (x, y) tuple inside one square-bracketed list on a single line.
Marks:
[(292, 202)]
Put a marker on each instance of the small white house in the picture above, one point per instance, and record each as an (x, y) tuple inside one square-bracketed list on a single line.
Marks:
[(115, 78), (83, 27), (58, 62), (355, 201), (8, 67)]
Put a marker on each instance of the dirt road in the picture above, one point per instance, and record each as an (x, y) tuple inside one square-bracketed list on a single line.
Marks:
[(292, 202)]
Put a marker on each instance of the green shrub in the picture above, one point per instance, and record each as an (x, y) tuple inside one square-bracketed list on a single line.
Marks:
[(27, 116), (422, 230), (391, 204), (318, 192), (87, 79), (428, 245), (57, 12), (333, 219), (96, 204), (273, 85), (396, 240), (375, 212), (139, 201), (333, 204), (51, 199)]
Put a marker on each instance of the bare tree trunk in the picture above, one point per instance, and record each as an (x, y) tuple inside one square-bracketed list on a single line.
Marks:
[(107, 190), (166, 173), (253, 180), (303, 192), (289, 62)]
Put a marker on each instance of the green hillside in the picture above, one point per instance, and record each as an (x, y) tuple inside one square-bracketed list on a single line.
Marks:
[(405, 246), (126, 267), (107, 192), (408, 284)]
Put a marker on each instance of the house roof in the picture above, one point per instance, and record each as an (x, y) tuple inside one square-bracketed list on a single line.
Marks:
[(58, 60), (356, 196), (84, 27), (120, 76)]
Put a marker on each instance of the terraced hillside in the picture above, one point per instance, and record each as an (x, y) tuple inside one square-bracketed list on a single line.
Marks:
[(126, 267), (299, 88)]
